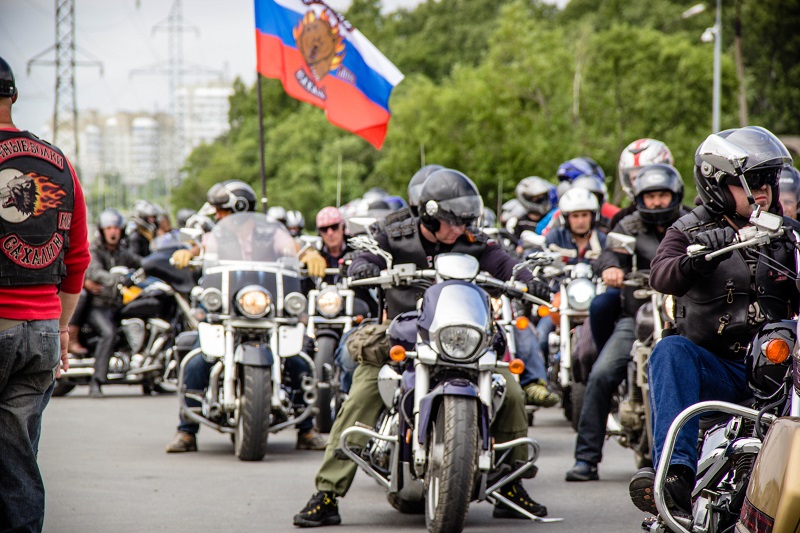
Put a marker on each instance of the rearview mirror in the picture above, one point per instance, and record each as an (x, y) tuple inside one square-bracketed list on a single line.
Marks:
[(531, 239), (621, 243)]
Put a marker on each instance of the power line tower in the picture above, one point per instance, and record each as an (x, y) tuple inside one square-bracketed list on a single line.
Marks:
[(65, 114)]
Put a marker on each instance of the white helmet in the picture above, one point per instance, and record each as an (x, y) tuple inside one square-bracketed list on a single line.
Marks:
[(536, 194), (638, 154), (593, 184), (577, 199)]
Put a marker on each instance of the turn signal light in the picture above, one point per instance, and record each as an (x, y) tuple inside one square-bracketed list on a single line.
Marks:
[(522, 322), (397, 353), (543, 311), (358, 319), (516, 366), (777, 351)]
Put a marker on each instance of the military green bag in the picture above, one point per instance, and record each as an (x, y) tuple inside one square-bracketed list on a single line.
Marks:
[(369, 344)]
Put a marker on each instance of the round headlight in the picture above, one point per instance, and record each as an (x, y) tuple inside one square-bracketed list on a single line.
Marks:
[(329, 303), (211, 299), (459, 342), (580, 293), (253, 301), (295, 303)]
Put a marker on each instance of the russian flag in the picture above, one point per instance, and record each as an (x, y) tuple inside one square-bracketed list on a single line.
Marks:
[(322, 59)]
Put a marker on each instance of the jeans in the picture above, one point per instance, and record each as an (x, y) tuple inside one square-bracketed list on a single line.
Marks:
[(605, 311), (102, 320), (607, 373), (543, 330), (528, 350), (682, 374), (29, 356), (345, 362)]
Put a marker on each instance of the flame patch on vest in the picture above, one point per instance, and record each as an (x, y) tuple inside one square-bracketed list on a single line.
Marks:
[(26, 195), (30, 256)]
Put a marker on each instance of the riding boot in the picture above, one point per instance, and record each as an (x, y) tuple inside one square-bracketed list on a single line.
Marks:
[(75, 347)]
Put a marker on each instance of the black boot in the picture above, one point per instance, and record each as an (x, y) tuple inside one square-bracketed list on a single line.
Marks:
[(677, 490), (321, 510)]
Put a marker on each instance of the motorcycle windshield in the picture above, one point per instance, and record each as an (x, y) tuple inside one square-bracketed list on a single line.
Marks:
[(248, 238)]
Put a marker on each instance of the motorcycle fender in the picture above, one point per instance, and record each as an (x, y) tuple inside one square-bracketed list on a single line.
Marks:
[(290, 340), (453, 387), (212, 339), (328, 332), (774, 487), (253, 355)]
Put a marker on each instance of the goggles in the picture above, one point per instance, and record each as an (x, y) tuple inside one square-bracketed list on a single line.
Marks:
[(757, 178)]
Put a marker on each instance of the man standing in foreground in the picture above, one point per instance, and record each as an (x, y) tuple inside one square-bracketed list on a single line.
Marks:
[(44, 253)]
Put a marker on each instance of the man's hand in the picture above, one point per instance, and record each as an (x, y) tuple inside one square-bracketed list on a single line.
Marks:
[(181, 258), (92, 286), (540, 289), (613, 277), (713, 240), (63, 335), (365, 270), (315, 263)]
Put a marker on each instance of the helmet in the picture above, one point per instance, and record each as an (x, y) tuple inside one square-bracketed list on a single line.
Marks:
[(563, 186), (183, 215), (200, 222), (144, 209), (593, 184), (790, 181), (597, 170), (451, 196), (488, 219), (569, 170), (658, 178), (374, 193), (277, 213), (8, 87), (110, 218), (295, 219), (536, 194), (328, 216), (577, 199), (763, 158), (416, 183), (234, 195), (638, 154)]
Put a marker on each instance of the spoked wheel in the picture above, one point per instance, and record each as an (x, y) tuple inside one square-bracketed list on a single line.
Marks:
[(252, 421), (452, 450)]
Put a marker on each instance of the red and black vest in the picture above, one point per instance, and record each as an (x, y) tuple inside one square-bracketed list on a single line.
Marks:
[(36, 203)]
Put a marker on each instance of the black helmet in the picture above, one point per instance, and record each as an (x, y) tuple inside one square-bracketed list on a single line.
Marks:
[(762, 157), (416, 183), (790, 181), (658, 177), (8, 87), (183, 215), (234, 195), (451, 196)]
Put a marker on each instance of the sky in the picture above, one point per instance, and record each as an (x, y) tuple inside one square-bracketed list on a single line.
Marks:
[(120, 35)]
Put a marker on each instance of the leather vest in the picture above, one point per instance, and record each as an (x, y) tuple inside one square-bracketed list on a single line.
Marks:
[(405, 245), (714, 312), (36, 205), (647, 241)]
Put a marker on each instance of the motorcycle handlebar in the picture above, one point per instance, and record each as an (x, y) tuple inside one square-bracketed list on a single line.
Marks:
[(758, 239)]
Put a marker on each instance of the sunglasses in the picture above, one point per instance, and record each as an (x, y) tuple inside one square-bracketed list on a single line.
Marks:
[(326, 229), (758, 178)]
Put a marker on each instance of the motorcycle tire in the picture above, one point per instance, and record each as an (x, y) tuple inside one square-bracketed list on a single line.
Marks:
[(326, 394), (577, 392), (452, 456), (252, 427), (62, 388), (406, 506)]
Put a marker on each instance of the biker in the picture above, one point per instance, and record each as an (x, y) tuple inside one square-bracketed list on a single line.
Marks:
[(228, 197), (106, 253), (538, 197), (141, 228), (449, 204), (278, 213), (330, 226), (720, 304), (790, 191), (295, 222), (183, 216), (658, 193), (567, 173), (416, 183)]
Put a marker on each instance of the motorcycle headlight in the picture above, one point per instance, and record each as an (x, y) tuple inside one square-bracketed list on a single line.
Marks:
[(253, 301), (295, 303), (459, 342), (580, 293), (211, 299), (329, 303)]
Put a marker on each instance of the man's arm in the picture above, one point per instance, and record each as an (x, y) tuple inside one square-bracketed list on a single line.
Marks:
[(670, 272)]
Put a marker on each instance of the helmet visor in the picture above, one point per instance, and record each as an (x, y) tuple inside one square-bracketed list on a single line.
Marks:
[(757, 178), (461, 211)]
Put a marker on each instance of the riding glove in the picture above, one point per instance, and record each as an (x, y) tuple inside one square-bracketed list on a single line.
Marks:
[(315, 263), (365, 270), (181, 258), (540, 289), (712, 240)]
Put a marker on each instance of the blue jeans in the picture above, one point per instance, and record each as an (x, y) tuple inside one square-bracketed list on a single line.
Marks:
[(528, 350), (543, 330), (345, 362), (29, 355), (682, 374), (604, 312), (607, 373)]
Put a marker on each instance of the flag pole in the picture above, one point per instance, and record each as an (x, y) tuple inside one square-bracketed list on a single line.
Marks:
[(339, 183), (499, 196), (261, 145)]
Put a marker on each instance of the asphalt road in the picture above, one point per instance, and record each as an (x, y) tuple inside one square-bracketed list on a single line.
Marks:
[(105, 470)]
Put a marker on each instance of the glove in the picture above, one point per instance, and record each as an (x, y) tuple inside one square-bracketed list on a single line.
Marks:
[(315, 263), (540, 289), (365, 270), (713, 239), (181, 258)]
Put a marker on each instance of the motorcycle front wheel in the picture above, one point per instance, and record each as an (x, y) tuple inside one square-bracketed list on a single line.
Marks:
[(452, 454), (252, 422), (327, 392)]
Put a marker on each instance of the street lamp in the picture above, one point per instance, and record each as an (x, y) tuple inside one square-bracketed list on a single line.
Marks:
[(714, 33)]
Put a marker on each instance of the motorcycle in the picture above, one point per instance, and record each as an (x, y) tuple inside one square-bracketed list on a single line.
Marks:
[(252, 335), (431, 449), (155, 310), (745, 481)]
